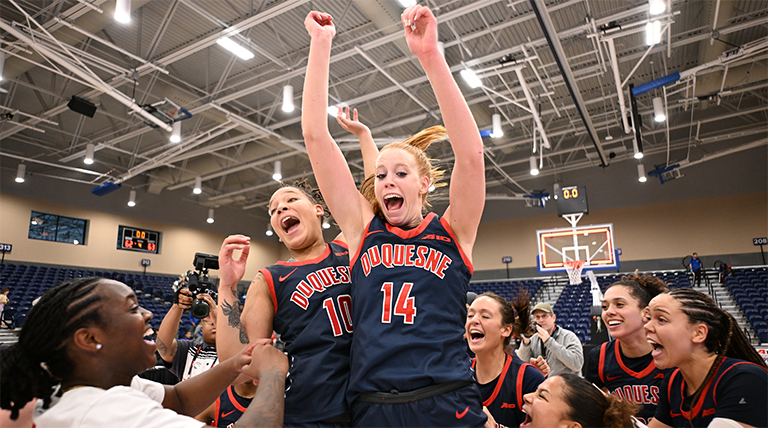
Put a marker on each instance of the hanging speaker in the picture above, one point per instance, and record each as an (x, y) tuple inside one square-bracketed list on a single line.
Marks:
[(82, 106)]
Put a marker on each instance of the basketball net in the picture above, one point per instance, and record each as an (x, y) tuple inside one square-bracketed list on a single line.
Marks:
[(573, 268)]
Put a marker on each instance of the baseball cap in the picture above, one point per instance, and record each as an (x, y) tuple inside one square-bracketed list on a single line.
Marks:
[(543, 307)]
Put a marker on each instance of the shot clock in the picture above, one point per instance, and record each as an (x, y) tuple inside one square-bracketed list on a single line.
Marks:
[(572, 200), (135, 239)]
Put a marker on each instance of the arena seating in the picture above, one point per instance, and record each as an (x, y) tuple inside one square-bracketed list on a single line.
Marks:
[(508, 288), (28, 282), (749, 288)]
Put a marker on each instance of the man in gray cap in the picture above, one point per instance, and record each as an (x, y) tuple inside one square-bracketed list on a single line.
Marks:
[(558, 346)]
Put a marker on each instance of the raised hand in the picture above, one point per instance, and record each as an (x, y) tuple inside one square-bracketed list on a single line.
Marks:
[(319, 24), (231, 270), (352, 125), (420, 30)]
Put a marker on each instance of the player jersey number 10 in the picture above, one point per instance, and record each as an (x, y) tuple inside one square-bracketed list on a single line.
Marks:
[(344, 302)]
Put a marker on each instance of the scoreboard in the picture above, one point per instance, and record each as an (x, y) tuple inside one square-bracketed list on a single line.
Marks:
[(572, 200), (135, 239)]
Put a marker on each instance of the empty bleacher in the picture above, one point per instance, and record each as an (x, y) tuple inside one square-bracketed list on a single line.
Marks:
[(28, 282), (749, 289)]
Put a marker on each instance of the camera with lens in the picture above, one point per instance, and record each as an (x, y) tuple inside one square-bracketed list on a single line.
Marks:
[(198, 282)]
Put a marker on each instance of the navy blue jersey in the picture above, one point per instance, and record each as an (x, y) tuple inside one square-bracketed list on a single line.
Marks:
[(504, 395), (229, 407), (635, 379), (409, 297), (738, 391), (312, 314)]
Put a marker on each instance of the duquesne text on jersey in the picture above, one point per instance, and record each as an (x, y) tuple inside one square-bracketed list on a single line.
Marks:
[(640, 394), (318, 281), (391, 255)]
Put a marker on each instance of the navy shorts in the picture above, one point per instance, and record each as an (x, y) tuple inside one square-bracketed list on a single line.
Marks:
[(458, 408), (321, 424)]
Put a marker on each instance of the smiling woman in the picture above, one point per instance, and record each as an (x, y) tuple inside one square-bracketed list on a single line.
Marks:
[(81, 348)]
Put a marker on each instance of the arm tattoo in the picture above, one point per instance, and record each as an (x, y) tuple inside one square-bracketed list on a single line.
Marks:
[(232, 312)]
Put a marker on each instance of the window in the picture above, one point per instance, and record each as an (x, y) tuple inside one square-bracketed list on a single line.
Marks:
[(50, 227)]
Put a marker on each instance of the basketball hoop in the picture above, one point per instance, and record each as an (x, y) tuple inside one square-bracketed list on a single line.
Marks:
[(573, 268)]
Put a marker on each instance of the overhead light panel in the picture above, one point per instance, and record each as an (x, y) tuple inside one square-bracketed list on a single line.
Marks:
[(432, 188), (441, 48), (641, 173), (658, 110), (176, 132), (326, 225), (198, 189), (88, 154), (657, 7), (21, 172), (132, 198), (2, 65), (497, 132), (407, 3), (269, 231), (210, 216), (236, 49), (534, 167), (278, 175), (653, 33), (123, 11), (471, 78), (287, 98)]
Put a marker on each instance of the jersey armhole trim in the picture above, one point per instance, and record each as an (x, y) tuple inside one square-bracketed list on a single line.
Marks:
[(464, 257), (519, 384), (271, 285), (601, 363)]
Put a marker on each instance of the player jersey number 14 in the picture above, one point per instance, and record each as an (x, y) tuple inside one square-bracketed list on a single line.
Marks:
[(404, 307)]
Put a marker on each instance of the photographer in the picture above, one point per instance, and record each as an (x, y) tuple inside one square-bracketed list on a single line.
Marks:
[(188, 357)]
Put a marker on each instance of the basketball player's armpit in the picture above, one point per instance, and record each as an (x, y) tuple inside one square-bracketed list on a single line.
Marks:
[(232, 312)]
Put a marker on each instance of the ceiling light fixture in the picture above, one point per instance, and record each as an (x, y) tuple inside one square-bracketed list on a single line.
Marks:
[(641, 173), (326, 225), (534, 167), (441, 48), (497, 132), (471, 78), (88, 154), (176, 132), (638, 150), (132, 198), (20, 173), (287, 98), (653, 33), (278, 175), (658, 110), (210, 216), (269, 230), (407, 3), (198, 189), (123, 11), (657, 7), (236, 49), (555, 189), (2, 65)]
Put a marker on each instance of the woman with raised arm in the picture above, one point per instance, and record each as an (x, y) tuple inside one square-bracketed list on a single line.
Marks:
[(720, 379), (502, 377), (624, 366), (82, 347), (410, 271), (305, 299)]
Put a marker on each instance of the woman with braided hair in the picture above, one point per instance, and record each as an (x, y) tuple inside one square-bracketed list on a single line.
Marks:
[(82, 347), (719, 375), (624, 366)]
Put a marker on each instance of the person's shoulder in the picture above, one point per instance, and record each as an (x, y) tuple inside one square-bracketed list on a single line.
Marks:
[(735, 367)]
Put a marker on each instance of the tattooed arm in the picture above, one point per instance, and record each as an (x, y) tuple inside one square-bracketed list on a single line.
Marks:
[(166, 334), (269, 366), (230, 335)]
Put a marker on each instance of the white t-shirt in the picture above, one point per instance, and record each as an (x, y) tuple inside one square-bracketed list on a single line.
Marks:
[(137, 406)]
